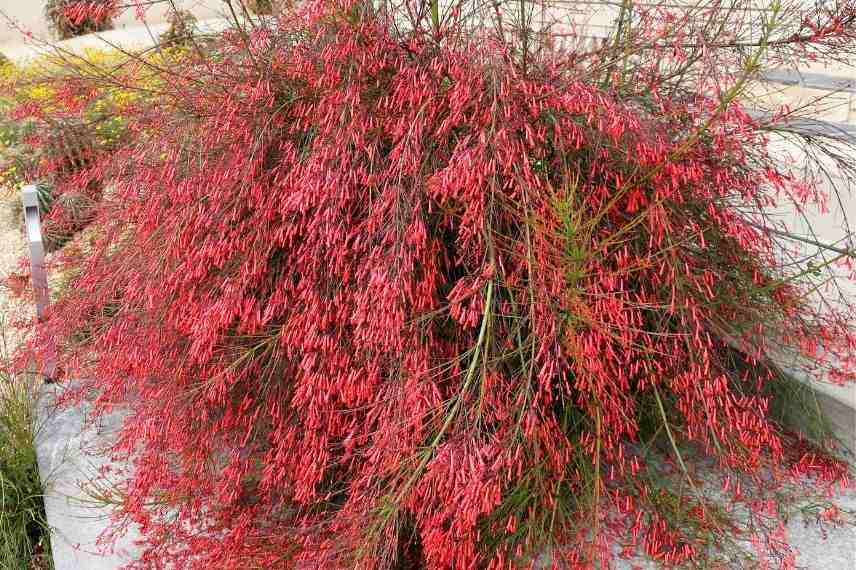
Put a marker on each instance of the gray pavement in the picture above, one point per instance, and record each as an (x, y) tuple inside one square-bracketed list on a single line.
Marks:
[(70, 454)]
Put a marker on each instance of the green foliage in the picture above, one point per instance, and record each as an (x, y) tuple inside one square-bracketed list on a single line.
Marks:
[(24, 531), (262, 7), (180, 31)]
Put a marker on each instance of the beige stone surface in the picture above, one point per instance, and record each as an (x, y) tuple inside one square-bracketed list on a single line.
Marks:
[(819, 103)]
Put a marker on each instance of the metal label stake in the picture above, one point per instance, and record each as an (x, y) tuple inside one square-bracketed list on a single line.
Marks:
[(32, 221)]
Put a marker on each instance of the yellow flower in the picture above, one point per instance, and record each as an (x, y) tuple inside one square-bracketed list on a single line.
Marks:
[(39, 92)]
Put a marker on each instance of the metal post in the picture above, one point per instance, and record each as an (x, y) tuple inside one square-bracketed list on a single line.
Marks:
[(32, 221)]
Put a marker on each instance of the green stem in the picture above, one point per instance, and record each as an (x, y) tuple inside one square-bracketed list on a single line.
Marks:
[(672, 438), (453, 412)]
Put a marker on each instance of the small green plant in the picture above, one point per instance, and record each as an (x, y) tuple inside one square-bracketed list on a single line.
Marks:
[(24, 530), (262, 7), (180, 31)]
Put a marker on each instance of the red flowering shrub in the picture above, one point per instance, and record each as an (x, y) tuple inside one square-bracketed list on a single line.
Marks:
[(382, 297), (71, 18)]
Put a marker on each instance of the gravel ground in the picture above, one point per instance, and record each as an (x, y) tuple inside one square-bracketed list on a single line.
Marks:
[(12, 247)]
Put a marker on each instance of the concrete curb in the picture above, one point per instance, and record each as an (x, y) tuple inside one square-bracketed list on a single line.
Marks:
[(70, 455)]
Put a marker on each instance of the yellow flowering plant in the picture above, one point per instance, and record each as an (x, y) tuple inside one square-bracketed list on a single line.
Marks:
[(62, 118)]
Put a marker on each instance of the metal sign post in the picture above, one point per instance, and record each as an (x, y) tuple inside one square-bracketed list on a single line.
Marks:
[(32, 221)]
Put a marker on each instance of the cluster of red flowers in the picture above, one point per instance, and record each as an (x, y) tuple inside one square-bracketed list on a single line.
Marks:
[(80, 12), (372, 299)]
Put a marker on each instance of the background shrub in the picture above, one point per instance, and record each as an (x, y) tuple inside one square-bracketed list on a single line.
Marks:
[(60, 150), (262, 7), (70, 18)]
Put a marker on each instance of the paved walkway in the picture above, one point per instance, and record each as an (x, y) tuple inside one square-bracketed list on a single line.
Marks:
[(70, 453)]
